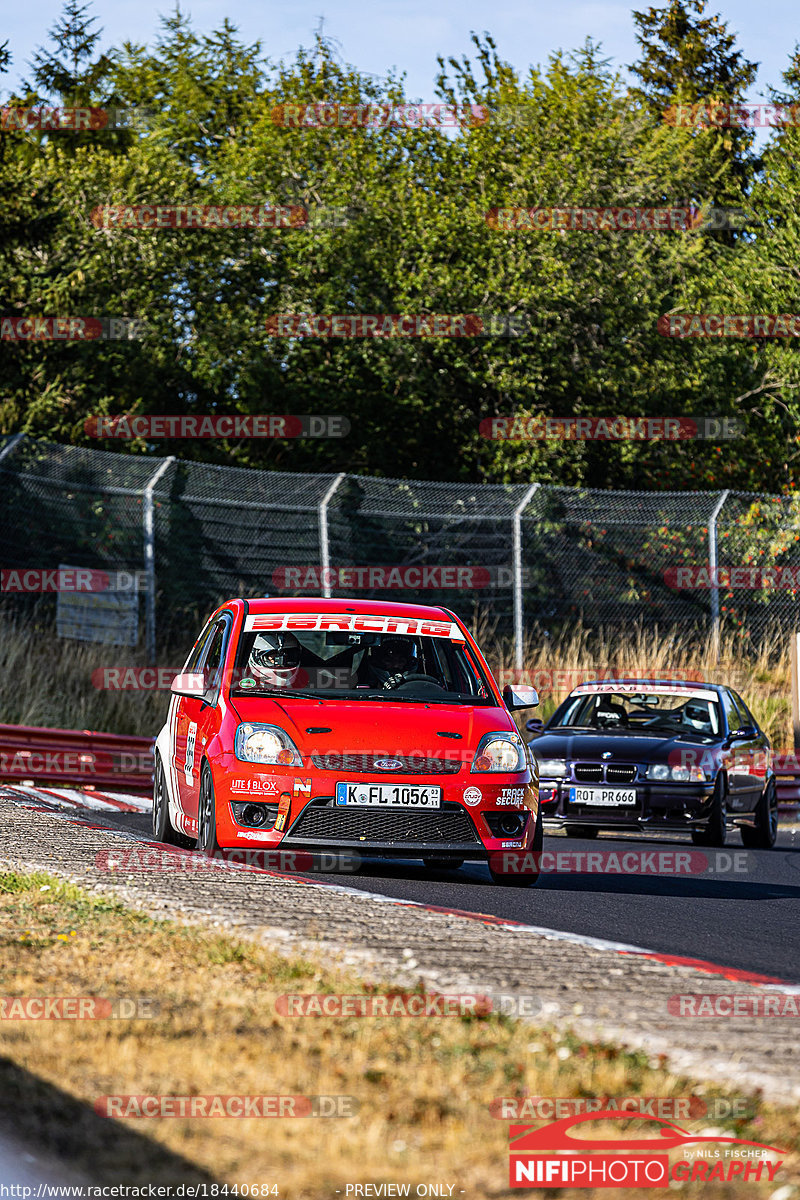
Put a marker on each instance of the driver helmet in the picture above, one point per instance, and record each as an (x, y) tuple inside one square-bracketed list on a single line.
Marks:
[(394, 656), (275, 659), (696, 715)]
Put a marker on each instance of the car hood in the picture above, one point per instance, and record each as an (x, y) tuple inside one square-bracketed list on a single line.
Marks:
[(622, 745), (379, 727)]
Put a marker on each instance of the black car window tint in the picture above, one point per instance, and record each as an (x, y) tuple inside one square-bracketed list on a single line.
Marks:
[(732, 715), (199, 649), (747, 716)]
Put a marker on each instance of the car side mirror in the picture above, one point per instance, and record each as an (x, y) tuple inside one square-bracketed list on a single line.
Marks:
[(534, 725), (520, 697), (189, 683), (747, 731)]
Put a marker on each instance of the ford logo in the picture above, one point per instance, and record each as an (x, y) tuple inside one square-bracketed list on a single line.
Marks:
[(387, 764)]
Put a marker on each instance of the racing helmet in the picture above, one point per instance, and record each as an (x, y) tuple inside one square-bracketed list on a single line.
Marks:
[(696, 714), (275, 659), (394, 656)]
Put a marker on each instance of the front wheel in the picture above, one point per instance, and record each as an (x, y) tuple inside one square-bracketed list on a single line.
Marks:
[(163, 829), (207, 815), (530, 859), (763, 834), (715, 832)]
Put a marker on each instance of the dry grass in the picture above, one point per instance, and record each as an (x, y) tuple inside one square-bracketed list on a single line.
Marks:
[(44, 681), (423, 1085)]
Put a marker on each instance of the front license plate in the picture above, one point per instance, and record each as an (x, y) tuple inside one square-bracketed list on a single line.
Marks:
[(388, 795), (603, 797)]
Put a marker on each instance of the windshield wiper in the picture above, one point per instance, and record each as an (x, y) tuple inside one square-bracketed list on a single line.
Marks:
[(283, 693)]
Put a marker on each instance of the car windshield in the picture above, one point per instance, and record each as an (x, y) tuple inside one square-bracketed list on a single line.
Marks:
[(339, 665), (643, 711)]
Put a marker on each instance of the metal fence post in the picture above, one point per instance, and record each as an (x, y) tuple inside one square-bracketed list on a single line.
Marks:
[(324, 547), (516, 551), (712, 566), (150, 561), (12, 443)]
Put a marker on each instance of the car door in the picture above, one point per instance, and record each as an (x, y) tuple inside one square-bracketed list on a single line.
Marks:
[(738, 755), (758, 753), (198, 715)]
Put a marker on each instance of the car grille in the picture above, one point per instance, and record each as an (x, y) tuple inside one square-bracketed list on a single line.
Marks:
[(364, 764), (605, 773), (449, 824)]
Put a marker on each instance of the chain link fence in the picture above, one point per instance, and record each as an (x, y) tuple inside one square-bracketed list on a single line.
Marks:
[(525, 554)]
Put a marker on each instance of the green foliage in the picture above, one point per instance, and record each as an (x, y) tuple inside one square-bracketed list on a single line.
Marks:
[(417, 242)]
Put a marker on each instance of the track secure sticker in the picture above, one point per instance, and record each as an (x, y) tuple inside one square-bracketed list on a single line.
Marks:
[(191, 738), (510, 795), (472, 795)]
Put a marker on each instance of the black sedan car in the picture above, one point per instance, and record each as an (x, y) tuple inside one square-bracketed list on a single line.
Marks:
[(650, 754)]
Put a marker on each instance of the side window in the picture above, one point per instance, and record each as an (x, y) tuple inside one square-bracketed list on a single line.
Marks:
[(198, 649), (734, 719), (747, 716), (214, 657)]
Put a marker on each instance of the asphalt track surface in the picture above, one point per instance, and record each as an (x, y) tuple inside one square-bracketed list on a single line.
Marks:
[(747, 919)]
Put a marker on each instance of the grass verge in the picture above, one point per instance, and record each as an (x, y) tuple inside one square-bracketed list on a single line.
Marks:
[(423, 1085)]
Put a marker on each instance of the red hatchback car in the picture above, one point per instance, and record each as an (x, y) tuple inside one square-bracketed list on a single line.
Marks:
[(352, 726)]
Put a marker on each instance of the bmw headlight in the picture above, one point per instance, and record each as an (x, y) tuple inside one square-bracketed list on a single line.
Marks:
[(266, 744), (500, 752), (552, 768), (662, 773)]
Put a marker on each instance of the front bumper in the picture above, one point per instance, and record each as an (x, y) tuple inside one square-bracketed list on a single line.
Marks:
[(658, 805)]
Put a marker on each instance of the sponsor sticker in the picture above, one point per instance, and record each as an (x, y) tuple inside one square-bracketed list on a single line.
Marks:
[(354, 623), (472, 795)]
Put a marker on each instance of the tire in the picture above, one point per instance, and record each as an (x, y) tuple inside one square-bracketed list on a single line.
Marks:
[(207, 815), (582, 831), (528, 880), (163, 829), (762, 835), (442, 864), (715, 832)]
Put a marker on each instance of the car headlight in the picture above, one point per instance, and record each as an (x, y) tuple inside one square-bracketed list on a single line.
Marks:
[(500, 752), (266, 744), (662, 773), (552, 768)]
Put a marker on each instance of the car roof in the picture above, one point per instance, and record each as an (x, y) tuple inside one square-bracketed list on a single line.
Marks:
[(318, 604)]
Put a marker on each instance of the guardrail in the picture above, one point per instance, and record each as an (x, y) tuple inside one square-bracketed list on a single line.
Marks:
[(77, 757)]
